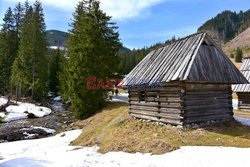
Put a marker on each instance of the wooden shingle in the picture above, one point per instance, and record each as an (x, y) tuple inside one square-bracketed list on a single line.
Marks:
[(195, 58)]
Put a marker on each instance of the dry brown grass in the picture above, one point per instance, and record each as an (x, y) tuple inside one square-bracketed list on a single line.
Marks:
[(113, 130), (238, 65), (242, 113), (242, 41)]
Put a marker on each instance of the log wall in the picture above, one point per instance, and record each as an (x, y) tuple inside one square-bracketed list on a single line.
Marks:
[(206, 102), (244, 101), (162, 105), (181, 103)]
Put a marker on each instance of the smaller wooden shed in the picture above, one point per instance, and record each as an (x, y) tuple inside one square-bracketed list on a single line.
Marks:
[(243, 90), (188, 81)]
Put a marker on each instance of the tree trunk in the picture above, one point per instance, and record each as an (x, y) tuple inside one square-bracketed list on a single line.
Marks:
[(33, 81), (16, 92)]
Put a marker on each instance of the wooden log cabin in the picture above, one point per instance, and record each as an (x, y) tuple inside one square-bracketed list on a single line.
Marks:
[(188, 81), (243, 90)]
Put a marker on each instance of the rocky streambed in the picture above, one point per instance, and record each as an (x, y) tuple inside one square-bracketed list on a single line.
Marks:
[(33, 128)]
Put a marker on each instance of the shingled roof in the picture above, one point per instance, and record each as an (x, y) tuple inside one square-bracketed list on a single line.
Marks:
[(245, 70), (195, 58)]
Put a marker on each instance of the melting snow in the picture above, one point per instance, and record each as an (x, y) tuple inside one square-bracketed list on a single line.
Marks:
[(2, 114), (235, 103), (12, 116), (243, 121), (55, 151), (22, 110), (3, 101), (47, 130), (31, 136)]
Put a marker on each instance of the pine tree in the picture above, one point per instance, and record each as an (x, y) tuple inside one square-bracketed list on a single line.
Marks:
[(56, 63), (92, 48), (238, 55)]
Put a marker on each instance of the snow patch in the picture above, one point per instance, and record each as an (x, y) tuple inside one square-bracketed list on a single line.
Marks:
[(55, 151), (13, 116), (235, 103), (2, 114), (47, 130), (29, 136), (243, 121), (51, 151), (3, 101), (21, 111)]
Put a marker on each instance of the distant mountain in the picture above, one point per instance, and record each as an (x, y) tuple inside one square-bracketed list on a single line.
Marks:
[(57, 38), (125, 50), (226, 25)]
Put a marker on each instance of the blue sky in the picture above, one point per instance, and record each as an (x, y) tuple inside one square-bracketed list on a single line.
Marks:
[(142, 22)]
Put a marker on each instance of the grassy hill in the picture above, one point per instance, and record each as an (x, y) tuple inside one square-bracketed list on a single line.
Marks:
[(242, 41), (112, 129)]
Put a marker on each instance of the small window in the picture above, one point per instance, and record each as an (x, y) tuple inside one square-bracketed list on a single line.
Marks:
[(142, 96)]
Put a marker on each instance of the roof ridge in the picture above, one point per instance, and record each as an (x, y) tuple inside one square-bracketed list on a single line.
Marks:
[(181, 39), (186, 71)]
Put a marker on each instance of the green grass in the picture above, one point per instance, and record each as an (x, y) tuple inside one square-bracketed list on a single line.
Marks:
[(113, 130), (246, 50)]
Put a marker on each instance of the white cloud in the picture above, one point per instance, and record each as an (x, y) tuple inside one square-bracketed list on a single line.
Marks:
[(118, 9)]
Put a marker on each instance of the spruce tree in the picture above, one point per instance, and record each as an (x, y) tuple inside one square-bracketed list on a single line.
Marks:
[(21, 68), (8, 50), (64, 80), (92, 48), (238, 55), (18, 16), (29, 72), (39, 58), (56, 62)]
